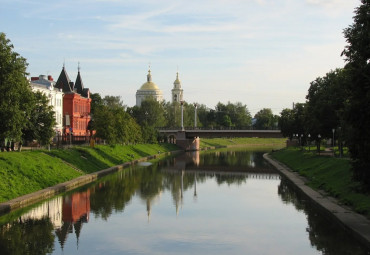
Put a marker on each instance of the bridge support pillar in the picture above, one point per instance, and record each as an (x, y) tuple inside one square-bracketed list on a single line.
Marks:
[(188, 144)]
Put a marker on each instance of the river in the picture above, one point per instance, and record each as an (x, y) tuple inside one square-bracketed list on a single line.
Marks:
[(214, 202)]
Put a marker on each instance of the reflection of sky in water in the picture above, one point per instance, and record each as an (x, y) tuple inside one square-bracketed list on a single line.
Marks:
[(249, 218)]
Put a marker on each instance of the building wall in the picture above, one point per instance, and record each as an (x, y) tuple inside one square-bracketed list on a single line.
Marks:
[(77, 109), (55, 99), (142, 95)]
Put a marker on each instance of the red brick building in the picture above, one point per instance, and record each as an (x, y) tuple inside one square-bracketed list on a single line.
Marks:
[(76, 104)]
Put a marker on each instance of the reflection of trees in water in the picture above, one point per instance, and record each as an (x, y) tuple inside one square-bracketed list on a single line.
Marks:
[(324, 234), (114, 192), (28, 237)]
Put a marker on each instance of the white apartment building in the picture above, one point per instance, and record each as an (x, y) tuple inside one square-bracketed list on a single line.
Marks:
[(46, 85)]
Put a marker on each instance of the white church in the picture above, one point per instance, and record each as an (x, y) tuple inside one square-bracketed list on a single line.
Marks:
[(150, 89)]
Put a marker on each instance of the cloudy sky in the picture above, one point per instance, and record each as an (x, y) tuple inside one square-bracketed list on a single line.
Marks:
[(263, 53)]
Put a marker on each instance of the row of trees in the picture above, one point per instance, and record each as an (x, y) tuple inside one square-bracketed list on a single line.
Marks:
[(340, 100), (116, 123), (24, 115)]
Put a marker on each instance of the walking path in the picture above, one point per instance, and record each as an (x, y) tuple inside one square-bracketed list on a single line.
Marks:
[(354, 223)]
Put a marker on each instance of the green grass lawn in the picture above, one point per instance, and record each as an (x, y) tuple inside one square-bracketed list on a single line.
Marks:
[(332, 175), (211, 142), (29, 171)]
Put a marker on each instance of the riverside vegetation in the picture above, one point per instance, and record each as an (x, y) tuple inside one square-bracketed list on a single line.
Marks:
[(328, 174)]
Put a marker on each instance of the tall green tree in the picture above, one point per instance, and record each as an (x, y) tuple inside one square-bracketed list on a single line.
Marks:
[(41, 120), (326, 102), (15, 92), (265, 119), (113, 123), (357, 114), (293, 121)]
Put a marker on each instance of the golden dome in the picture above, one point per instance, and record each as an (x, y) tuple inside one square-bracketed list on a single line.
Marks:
[(149, 85)]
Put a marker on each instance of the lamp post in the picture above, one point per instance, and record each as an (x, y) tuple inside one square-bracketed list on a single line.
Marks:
[(340, 142), (309, 142), (195, 115), (319, 137), (301, 141), (182, 115), (333, 143)]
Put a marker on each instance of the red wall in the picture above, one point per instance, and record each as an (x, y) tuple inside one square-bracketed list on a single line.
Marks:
[(78, 109)]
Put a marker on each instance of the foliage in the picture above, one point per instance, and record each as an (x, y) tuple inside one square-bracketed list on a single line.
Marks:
[(112, 123), (327, 173), (15, 92), (150, 116), (326, 100), (292, 121), (265, 119), (41, 121), (357, 114)]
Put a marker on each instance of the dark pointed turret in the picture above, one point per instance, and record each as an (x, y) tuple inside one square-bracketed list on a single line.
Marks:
[(79, 85), (63, 82)]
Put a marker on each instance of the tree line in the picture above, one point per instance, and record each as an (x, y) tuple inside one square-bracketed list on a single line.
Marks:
[(339, 103), (118, 124)]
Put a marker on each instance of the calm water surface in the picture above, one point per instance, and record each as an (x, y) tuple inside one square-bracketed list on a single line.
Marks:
[(225, 202)]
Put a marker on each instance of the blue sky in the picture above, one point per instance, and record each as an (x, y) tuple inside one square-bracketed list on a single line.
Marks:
[(263, 53)]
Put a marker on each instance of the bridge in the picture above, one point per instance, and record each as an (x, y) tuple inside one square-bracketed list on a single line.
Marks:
[(188, 139)]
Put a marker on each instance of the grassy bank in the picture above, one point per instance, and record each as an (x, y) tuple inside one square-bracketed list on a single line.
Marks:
[(216, 142), (333, 175), (28, 171)]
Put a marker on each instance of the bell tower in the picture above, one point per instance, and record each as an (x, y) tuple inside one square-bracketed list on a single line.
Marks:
[(177, 91)]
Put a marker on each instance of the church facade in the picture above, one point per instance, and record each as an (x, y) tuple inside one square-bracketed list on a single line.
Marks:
[(150, 90)]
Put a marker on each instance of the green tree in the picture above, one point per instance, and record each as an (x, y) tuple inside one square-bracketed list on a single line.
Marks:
[(265, 119), (357, 114), (326, 101), (293, 121), (15, 92), (150, 116), (112, 122), (41, 120)]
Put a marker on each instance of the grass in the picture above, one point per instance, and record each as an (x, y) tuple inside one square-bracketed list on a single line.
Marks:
[(28, 171), (333, 175), (218, 142)]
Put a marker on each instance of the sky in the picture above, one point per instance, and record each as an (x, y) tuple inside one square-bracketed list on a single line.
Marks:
[(262, 53)]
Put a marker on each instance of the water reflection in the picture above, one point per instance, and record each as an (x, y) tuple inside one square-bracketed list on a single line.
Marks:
[(58, 224), (320, 229)]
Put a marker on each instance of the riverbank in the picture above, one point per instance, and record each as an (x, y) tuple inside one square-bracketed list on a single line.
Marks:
[(30, 171), (329, 175), (355, 224), (232, 142)]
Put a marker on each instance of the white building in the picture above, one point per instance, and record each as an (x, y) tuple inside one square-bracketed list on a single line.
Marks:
[(46, 85), (177, 91), (148, 90)]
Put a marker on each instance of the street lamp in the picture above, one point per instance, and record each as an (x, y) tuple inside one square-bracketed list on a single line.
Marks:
[(182, 115), (309, 142), (333, 130), (195, 115), (319, 137)]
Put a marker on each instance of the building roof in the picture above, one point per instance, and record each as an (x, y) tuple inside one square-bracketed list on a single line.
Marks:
[(149, 85), (79, 85), (64, 82)]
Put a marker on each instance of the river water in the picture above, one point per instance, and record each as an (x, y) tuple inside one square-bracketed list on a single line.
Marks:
[(220, 202)]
